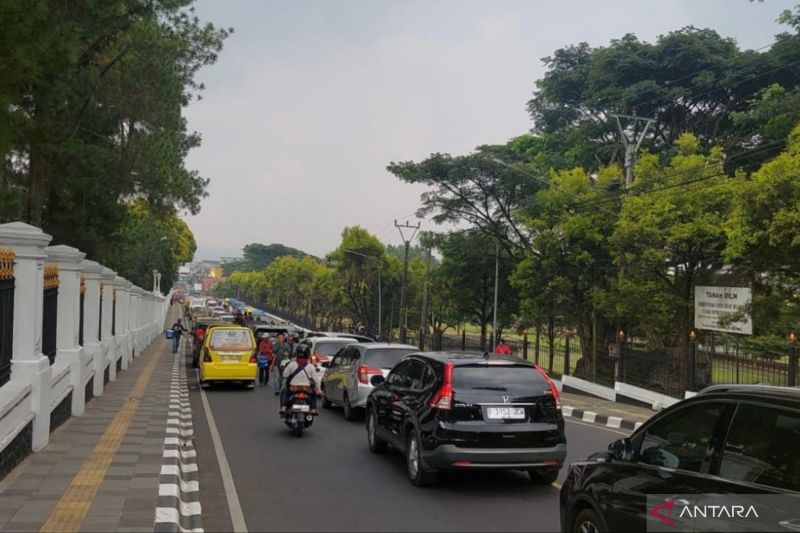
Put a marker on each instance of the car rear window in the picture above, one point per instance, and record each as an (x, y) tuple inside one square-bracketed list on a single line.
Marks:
[(386, 358), (329, 348), (517, 380), (230, 340)]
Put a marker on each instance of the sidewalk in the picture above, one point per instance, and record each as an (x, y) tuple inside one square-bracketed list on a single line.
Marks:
[(598, 411), (100, 471)]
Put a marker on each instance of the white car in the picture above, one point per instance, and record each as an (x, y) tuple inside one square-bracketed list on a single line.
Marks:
[(347, 378)]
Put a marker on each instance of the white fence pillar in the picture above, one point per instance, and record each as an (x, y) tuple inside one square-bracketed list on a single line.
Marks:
[(69, 352), (91, 321), (28, 364), (119, 322), (106, 339)]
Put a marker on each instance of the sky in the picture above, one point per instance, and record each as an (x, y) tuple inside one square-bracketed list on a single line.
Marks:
[(311, 99)]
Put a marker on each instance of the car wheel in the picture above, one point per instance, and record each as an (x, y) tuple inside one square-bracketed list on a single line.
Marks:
[(376, 444), (588, 521), (543, 477), (417, 473), (349, 411)]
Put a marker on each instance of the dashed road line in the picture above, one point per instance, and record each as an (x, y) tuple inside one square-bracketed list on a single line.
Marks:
[(178, 507)]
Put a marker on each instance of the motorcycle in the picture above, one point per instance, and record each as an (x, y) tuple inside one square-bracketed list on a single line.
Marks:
[(298, 413)]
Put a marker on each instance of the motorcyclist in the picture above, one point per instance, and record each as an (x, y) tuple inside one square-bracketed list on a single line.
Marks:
[(298, 374)]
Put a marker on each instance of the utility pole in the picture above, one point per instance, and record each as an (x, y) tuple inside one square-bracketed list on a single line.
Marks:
[(404, 282), (496, 284), (632, 143)]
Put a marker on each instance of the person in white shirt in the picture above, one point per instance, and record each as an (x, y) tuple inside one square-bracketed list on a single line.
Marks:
[(300, 374)]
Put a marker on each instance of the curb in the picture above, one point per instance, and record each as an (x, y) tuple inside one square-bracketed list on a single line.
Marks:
[(591, 417), (178, 508)]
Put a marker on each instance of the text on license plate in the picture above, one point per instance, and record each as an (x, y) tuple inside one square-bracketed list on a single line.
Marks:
[(498, 413), (301, 408), (231, 358)]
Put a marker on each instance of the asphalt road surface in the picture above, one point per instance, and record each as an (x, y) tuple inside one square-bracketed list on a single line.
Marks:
[(329, 481)]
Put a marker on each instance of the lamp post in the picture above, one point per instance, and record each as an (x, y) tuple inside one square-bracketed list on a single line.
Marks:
[(155, 280), (380, 299), (792, 359)]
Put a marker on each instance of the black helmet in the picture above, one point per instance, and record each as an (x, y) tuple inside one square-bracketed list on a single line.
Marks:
[(302, 352)]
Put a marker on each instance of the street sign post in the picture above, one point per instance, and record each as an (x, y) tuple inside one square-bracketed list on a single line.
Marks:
[(723, 309)]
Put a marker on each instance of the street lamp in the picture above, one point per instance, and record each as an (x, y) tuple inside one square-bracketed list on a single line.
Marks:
[(380, 299)]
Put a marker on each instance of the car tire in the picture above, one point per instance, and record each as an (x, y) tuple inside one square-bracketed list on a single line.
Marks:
[(588, 521), (417, 473), (350, 413), (326, 403), (376, 444), (543, 477)]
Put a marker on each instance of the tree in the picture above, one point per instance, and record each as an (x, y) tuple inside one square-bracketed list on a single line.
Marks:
[(258, 256), (91, 98), (688, 80), (468, 260)]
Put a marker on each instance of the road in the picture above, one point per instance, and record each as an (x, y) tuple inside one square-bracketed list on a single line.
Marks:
[(329, 481)]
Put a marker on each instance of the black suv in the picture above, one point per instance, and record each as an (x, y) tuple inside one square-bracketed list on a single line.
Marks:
[(457, 411), (728, 440)]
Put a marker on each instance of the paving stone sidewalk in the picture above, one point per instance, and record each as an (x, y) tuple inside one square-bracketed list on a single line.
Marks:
[(126, 498)]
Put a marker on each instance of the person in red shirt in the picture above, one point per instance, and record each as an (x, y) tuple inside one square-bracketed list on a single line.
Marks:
[(265, 354), (502, 348)]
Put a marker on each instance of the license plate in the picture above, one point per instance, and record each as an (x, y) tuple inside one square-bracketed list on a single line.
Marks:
[(231, 358), (301, 408), (503, 413)]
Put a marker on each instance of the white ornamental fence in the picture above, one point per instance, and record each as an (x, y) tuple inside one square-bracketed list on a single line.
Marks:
[(68, 325)]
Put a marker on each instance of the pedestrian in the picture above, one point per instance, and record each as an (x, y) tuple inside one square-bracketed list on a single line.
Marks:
[(177, 331), (502, 348), (264, 360), (281, 352)]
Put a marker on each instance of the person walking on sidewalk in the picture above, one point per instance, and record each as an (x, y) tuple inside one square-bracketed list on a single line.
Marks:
[(281, 351), (177, 331), (502, 348)]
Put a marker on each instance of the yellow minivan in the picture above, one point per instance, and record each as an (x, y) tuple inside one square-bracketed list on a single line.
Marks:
[(228, 354)]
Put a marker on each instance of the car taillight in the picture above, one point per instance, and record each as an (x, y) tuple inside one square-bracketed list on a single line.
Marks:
[(206, 356), (364, 372), (443, 399), (553, 388), (253, 359)]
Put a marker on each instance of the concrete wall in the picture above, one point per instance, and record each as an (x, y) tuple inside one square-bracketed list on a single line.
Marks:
[(37, 388)]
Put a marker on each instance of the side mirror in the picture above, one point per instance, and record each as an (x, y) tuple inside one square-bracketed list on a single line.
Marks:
[(377, 380), (326, 364), (620, 450)]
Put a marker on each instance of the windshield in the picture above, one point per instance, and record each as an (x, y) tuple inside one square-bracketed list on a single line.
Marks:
[(386, 358), (329, 347), (517, 380), (230, 340)]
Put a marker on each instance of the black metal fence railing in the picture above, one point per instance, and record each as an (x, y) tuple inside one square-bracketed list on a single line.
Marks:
[(49, 322), (100, 314), (6, 326), (114, 316), (80, 318)]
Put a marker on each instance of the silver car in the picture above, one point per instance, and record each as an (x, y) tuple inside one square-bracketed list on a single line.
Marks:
[(346, 380)]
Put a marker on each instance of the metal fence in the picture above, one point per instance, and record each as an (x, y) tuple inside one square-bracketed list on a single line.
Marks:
[(49, 322), (81, 311), (6, 313)]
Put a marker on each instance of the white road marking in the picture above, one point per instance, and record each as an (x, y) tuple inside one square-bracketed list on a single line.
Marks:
[(237, 516)]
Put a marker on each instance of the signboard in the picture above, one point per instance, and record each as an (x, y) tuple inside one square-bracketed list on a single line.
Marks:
[(198, 287), (723, 309)]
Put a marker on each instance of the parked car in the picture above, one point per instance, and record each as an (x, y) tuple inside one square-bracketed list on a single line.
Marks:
[(462, 411), (228, 354), (347, 375), (729, 439)]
